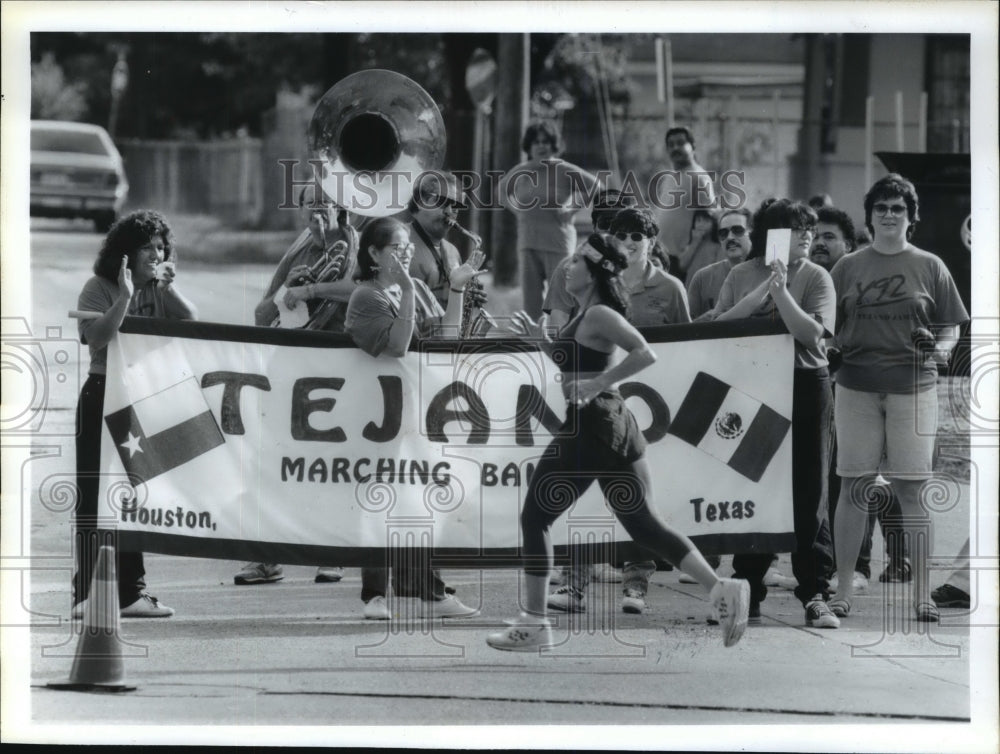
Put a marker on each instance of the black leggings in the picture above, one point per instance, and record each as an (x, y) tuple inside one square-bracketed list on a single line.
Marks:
[(89, 537), (568, 467)]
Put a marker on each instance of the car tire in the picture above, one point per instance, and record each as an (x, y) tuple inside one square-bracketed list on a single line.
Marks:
[(103, 221)]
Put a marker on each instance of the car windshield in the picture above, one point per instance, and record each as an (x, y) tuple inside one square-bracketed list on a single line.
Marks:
[(67, 141)]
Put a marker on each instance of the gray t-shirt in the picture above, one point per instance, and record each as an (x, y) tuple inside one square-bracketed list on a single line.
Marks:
[(704, 286), (98, 295), (658, 298), (881, 299), (372, 310), (810, 286)]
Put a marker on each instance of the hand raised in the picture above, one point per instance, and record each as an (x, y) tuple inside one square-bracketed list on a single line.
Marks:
[(461, 275), (125, 285)]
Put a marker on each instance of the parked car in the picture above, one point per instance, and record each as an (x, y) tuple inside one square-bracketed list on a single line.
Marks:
[(76, 171)]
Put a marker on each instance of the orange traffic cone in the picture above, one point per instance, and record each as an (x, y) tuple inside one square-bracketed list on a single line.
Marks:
[(98, 664)]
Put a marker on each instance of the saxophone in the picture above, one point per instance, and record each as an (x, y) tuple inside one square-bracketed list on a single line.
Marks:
[(476, 321)]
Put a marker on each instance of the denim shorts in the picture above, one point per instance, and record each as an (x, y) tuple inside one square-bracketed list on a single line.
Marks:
[(892, 433), (608, 423)]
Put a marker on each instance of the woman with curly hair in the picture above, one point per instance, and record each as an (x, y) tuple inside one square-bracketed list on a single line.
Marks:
[(134, 275), (601, 441)]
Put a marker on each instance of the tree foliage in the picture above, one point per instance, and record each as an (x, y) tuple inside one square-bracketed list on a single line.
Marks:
[(52, 98)]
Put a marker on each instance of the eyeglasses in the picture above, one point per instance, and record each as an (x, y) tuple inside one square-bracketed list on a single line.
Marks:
[(881, 209), (635, 236), (802, 229), (738, 231), (400, 248)]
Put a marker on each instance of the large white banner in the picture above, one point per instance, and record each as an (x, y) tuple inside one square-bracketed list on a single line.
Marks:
[(296, 447)]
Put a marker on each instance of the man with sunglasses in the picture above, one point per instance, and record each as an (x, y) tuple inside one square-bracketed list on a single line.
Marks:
[(704, 286)]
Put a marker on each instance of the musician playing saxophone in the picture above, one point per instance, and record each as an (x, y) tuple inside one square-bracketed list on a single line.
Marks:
[(433, 210)]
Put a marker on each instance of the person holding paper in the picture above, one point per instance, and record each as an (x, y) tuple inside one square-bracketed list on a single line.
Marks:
[(134, 275), (779, 281)]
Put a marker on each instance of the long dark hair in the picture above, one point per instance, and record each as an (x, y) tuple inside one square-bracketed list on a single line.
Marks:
[(777, 213), (713, 233), (127, 236), (376, 233), (608, 283), (541, 128)]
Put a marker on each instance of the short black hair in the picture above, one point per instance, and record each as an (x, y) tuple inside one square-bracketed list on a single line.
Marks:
[(834, 216), (608, 202), (679, 130), (541, 128), (891, 186), (376, 233), (777, 213), (127, 236)]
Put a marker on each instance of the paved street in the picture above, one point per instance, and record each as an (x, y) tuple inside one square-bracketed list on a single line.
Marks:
[(297, 653)]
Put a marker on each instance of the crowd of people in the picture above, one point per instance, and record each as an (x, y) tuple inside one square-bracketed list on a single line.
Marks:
[(872, 317)]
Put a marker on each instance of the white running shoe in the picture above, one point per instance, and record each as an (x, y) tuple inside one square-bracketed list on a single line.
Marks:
[(329, 574), (633, 601), (527, 634), (731, 603), (376, 609), (568, 600), (449, 607), (146, 606)]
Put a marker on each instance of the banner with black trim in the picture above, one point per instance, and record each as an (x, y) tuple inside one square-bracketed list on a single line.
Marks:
[(296, 447)]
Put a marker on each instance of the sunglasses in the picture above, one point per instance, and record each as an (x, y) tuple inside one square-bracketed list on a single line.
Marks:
[(738, 231), (881, 209), (634, 236)]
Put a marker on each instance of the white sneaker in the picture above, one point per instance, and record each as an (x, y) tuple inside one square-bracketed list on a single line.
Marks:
[(449, 607), (329, 574), (633, 602), (146, 606), (376, 609), (568, 600), (860, 583), (784, 582), (77, 612), (526, 634), (731, 603), (685, 579), (606, 573), (771, 577)]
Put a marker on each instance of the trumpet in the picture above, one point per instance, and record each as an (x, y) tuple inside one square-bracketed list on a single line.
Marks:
[(328, 268), (476, 321)]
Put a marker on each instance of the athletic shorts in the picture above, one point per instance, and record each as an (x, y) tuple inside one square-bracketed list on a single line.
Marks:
[(606, 423), (891, 433)]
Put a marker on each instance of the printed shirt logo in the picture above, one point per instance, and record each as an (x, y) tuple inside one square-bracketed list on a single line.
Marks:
[(881, 292)]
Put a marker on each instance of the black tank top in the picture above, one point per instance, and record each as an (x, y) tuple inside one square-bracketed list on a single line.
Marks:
[(587, 359)]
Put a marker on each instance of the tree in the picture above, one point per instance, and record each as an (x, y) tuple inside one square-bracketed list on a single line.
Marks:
[(51, 97)]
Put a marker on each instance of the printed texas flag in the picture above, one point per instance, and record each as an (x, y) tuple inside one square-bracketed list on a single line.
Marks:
[(164, 430), (729, 425)]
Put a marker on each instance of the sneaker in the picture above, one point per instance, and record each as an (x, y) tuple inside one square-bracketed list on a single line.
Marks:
[(376, 609), (568, 599), (633, 602), (947, 595), (784, 582), (146, 606), (819, 615), (606, 574), (329, 575), (527, 634), (77, 612), (897, 573), (449, 607), (259, 573), (927, 613), (771, 577), (685, 579), (731, 603), (753, 614), (859, 583)]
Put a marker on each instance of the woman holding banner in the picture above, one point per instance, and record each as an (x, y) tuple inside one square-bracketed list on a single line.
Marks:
[(134, 275), (599, 440), (387, 311), (801, 293)]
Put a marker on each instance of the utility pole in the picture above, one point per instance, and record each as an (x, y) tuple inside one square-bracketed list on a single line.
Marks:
[(511, 111)]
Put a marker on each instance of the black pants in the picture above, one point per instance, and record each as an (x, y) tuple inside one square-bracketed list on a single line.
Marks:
[(812, 560), (407, 581), (88, 537)]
